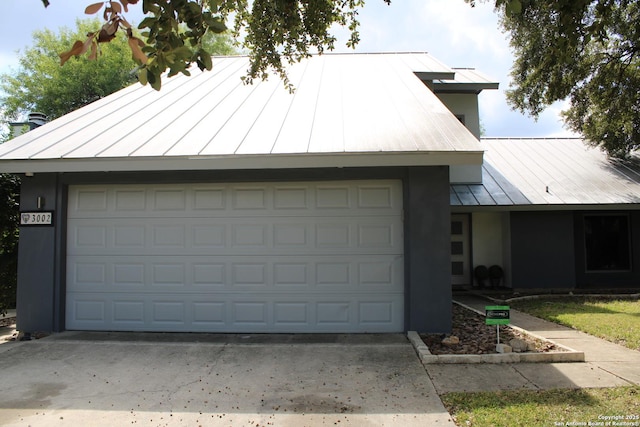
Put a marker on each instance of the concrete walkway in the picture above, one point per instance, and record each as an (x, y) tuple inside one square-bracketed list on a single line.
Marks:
[(7, 332), (606, 364)]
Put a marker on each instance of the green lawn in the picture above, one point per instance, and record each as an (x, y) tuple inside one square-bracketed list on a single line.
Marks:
[(588, 407), (614, 320)]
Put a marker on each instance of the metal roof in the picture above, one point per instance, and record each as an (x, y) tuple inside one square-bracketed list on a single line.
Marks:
[(347, 110), (550, 172)]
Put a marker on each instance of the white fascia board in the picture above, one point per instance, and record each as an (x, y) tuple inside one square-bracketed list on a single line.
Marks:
[(435, 75), (285, 161), (548, 208), (444, 87)]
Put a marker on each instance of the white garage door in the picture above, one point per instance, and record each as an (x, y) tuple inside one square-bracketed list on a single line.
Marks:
[(274, 257)]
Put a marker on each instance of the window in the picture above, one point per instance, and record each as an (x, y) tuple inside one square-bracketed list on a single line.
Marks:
[(607, 243)]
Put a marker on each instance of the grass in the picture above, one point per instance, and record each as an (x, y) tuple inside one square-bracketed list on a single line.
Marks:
[(617, 321), (614, 320), (545, 408)]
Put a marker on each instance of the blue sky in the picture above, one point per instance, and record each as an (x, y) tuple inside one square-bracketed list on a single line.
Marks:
[(450, 30)]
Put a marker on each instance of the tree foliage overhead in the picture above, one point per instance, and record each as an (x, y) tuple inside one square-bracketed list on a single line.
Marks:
[(586, 51), (41, 84), (274, 32)]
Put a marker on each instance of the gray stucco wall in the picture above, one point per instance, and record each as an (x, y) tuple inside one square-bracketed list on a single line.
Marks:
[(542, 250), (42, 252), (427, 250), (38, 299)]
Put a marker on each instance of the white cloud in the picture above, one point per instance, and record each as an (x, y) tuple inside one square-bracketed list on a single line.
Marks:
[(463, 28)]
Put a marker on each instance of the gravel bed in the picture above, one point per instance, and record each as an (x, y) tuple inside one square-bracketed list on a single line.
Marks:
[(7, 321), (476, 337)]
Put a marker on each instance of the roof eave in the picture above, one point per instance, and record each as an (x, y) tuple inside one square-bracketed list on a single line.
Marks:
[(442, 87), (255, 161)]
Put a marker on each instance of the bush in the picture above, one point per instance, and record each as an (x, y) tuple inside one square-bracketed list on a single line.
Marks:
[(9, 214)]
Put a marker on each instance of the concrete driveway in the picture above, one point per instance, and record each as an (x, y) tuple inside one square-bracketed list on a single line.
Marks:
[(79, 378)]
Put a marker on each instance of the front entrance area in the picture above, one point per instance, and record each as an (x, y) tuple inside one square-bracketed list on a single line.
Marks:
[(460, 250), (236, 257)]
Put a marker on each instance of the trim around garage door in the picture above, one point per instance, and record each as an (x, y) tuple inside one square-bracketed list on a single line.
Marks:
[(239, 257)]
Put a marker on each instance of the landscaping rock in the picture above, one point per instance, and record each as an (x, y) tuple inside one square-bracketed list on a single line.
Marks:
[(503, 348), (451, 340), (519, 345), (476, 337)]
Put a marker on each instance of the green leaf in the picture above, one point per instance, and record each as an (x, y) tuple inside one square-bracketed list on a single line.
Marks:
[(154, 79), (142, 76), (205, 58), (148, 22), (514, 7), (216, 24), (214, 4)]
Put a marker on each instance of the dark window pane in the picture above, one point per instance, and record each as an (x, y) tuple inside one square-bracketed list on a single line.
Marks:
[(457, 268), (456, 248), (456, 227), (607, 242)]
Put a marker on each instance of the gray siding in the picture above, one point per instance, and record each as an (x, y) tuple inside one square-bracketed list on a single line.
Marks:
[(427, 250), (542, 250), (38, 302)]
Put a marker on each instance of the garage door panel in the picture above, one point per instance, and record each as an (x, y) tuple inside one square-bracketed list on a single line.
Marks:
[(236, 200), (275, 257), (229, 313), (204, 274), (128, 312), (239, 236), (165, 312), (209, 315)]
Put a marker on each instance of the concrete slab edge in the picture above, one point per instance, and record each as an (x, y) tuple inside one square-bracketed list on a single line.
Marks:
[(571, 353), (426, 357), (11, 312), (569, 295)]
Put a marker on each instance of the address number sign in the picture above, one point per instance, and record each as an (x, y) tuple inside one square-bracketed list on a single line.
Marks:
[(36, 218)]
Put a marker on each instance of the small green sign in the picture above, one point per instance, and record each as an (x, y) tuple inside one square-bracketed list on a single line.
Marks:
[(497, 314)]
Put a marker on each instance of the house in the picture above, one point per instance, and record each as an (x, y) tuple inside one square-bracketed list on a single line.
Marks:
[(353, 204), (557, 214)]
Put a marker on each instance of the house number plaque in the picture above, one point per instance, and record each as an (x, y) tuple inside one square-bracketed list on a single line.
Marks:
[(36, 218)]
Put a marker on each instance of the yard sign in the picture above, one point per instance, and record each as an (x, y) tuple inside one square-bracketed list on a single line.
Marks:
[(497, 314)]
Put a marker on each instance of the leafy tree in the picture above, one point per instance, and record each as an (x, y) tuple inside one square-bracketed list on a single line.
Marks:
[(586, 51), (10, 202), (41, 84), (275, 32)]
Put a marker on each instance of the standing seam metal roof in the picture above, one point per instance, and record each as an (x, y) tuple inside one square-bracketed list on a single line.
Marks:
[(550, 172), (369, 105)]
